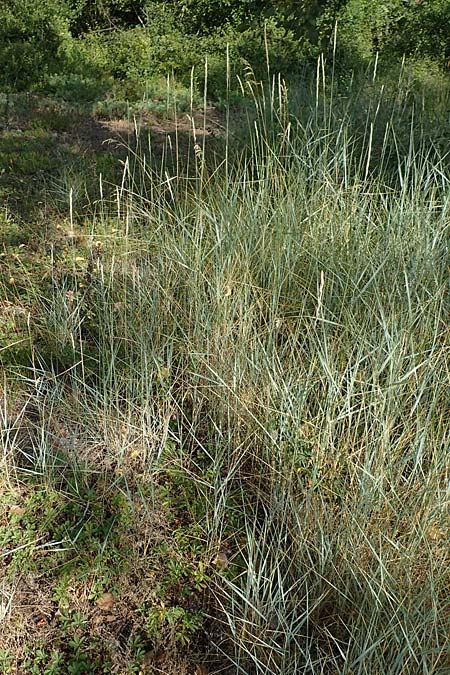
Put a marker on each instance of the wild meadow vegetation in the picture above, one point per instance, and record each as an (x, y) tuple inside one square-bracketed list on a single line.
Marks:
[(224, 346)]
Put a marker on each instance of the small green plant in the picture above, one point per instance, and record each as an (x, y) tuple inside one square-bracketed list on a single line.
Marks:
[(72, 620), (175, 624), (5, 660), (55, 664)]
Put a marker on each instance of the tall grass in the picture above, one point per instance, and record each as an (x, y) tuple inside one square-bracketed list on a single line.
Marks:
[(277, 329)]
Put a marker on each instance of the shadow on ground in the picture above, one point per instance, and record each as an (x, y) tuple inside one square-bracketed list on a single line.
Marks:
[(52, 157)]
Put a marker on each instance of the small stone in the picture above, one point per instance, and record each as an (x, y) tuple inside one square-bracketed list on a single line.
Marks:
[(106, 602)]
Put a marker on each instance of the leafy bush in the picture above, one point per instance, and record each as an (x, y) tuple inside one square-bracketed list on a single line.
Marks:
[(31, 37), (396, 27), (205, 16), (129, 54), (424, 30)]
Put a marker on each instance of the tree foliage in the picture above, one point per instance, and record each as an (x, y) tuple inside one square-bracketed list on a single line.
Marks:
[(397, 27), (31, 34), (87, 15), (146, 36)]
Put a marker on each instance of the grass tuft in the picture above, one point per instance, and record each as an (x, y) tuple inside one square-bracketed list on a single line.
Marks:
[(233, 428)]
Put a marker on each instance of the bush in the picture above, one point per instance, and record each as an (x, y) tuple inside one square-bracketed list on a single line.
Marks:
[(129, 54), (424, 30), (396, 28), (31, 37)]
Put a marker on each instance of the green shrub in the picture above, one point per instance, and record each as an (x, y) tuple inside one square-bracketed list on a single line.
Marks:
[(423, 30), (31, 39), (129, 54), (396, 27)]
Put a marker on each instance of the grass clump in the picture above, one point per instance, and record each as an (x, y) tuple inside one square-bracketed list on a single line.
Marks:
[(255, 407)]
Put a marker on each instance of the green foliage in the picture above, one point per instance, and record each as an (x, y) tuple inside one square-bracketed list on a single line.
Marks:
[(206, 16), (423, 30), (395, 27), (76, 523), (137, 41), (171, 624), (74, 656), (130, 54), (94, 15), (31, 37)]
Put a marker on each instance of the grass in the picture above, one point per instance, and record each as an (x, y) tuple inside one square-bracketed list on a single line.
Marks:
[(226, 445)]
